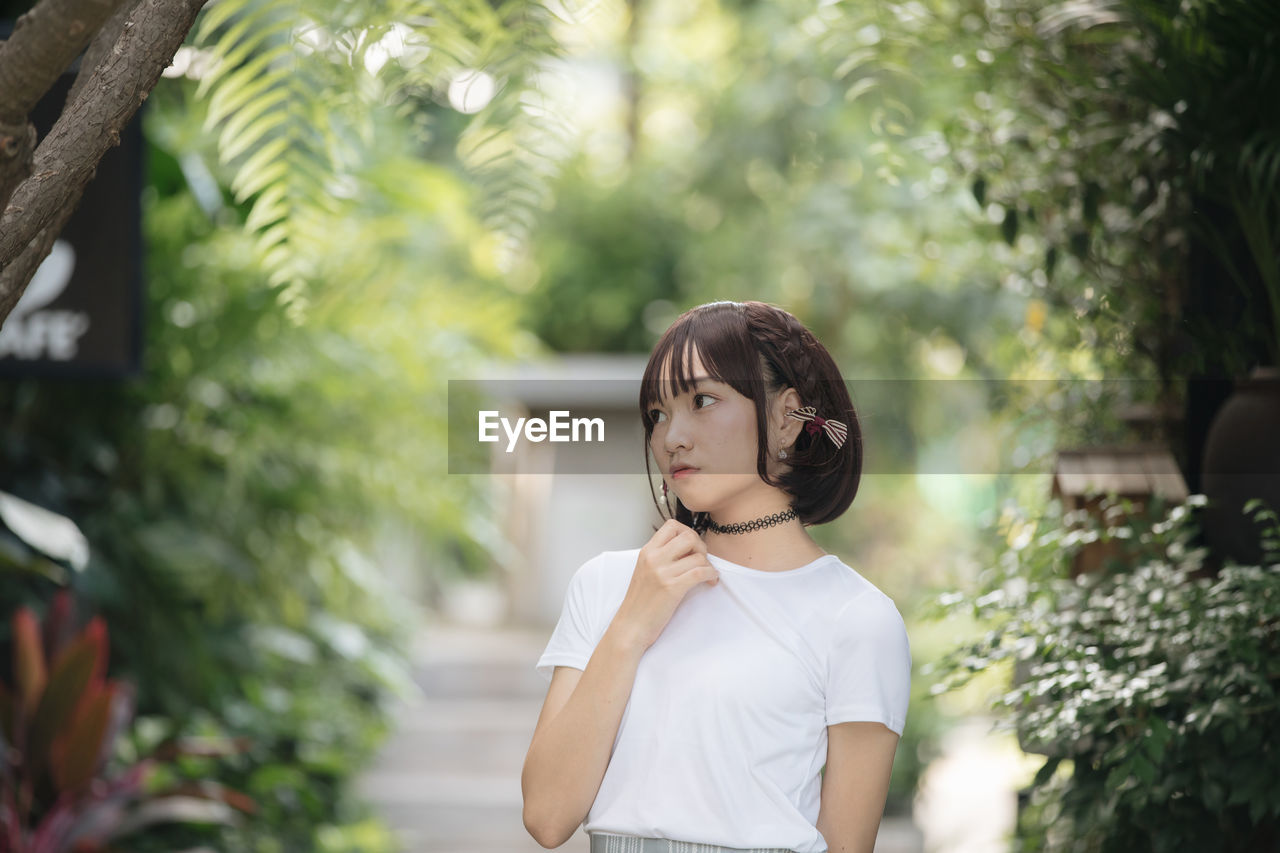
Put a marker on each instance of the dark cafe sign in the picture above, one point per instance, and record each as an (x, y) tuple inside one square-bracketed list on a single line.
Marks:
[(81, 313)]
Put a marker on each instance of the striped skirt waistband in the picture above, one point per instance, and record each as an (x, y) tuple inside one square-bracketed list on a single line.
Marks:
[(604, 842)]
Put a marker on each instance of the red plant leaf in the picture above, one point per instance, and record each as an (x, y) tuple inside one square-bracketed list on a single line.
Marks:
[(13, 832), (101, 812), (96, 628), (8, 715), (68, 686), (75, 751), (53, 826), (94, 633), (59, 624), (122, 709), (28, 660)]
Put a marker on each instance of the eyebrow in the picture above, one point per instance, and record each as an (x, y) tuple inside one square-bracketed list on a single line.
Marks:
[(704, 380), (699, 380)]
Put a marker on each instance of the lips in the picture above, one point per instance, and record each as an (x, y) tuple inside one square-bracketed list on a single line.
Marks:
[(682, 470)]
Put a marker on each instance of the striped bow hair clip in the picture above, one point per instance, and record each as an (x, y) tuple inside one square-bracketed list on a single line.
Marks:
[(835, 430)]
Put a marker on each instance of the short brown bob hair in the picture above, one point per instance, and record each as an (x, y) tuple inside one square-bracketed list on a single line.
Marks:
[(760, 350)]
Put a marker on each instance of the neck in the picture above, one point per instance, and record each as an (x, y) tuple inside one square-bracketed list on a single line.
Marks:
[(750, 525), (779, 548)]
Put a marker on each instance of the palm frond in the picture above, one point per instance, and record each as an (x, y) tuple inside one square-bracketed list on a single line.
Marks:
[(299, 93)]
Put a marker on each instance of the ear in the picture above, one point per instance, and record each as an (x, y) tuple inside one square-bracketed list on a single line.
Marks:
[(787, 429)]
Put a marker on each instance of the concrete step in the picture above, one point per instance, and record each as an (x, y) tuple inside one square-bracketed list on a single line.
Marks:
[(444, 752)]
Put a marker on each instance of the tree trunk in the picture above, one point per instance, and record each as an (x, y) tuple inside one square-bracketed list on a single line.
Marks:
[(42, 45), (112, 84)]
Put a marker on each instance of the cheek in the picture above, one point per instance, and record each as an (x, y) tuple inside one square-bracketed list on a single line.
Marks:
[(735, 432), (744, 422)]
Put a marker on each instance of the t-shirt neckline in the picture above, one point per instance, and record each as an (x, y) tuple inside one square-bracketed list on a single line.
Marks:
[(722, 563)]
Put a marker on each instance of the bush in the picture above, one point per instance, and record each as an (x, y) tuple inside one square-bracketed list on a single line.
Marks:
[(1151, 686)]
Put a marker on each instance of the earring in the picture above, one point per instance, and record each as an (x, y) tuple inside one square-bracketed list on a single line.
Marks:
[(782, 454)]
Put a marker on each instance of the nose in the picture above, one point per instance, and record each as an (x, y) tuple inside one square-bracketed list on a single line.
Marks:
[(677, 434)]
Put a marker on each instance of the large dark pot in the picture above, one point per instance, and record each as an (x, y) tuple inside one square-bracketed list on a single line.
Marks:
[(1242, 461)]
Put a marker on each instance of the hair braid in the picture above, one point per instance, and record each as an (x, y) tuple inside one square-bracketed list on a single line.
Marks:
[(789, 353), (796, 358)]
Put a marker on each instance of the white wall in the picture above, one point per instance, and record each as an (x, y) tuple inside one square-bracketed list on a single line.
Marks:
[(559, 521), (556, 511)]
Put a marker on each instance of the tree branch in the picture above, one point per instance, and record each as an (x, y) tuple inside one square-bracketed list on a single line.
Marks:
[(44, 42), (66, 159), (17, 144), (101, 45), (17, 275)]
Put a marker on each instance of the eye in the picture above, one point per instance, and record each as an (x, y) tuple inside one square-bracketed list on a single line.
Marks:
[(654, 413)]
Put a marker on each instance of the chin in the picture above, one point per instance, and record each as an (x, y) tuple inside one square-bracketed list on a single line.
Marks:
[(692, 505), (697, 505)]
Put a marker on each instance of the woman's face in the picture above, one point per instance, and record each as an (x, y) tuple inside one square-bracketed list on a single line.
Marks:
[(712, 428)]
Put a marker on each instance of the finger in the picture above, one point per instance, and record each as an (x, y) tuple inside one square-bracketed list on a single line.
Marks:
[(682, 545), (683, 564), (668, 531), (691, 563), (674, 549), (699, 574), (699, 544)]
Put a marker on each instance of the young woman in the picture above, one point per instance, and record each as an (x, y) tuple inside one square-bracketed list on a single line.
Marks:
[(729, 684)]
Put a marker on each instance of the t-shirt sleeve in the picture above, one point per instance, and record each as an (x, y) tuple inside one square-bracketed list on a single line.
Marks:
[(869, 668), (574, 637)]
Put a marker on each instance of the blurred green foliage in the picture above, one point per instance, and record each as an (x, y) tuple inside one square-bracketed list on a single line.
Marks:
[(319, 107), (1150, 686), (237, 493), (941, 190), (1128, 138)]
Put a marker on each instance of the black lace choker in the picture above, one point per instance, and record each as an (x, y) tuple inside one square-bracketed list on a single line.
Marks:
[(704, 523)]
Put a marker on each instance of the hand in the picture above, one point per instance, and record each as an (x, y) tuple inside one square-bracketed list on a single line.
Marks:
[(671, 563)]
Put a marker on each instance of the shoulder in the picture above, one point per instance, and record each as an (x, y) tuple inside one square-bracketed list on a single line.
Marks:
[(869, 631), (870, 611), (614, 561), (863, 610), (848, 588), (608, 568), (600, 584)]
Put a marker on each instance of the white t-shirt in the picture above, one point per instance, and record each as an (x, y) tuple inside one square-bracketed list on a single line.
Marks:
[(724, 735)]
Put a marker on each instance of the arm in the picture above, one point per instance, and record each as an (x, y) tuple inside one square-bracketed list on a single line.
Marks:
[(573, 739), (855, 784)]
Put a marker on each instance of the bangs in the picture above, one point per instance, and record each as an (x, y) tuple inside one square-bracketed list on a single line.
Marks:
[(718, 333)]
